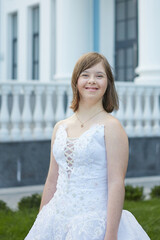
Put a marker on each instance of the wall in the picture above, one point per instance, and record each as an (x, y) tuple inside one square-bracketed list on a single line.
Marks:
[(23, 8), (34, 159)]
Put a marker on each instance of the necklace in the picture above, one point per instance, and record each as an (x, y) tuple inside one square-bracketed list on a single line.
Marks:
[(82, 123)]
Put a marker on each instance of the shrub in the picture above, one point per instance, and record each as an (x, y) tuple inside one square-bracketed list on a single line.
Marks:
[(133, 193), (3, 206), (155, 192), (30, 202)]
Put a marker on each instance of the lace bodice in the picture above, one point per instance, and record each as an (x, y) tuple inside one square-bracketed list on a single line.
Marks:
[(82, 161)]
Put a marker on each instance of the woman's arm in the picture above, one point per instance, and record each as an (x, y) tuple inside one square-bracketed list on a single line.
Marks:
[(117, 160), (51, 181)]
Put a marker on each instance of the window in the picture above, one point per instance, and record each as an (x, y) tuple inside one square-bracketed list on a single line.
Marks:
[(35, 42), (14, 46), (96, 25), (126, 39)]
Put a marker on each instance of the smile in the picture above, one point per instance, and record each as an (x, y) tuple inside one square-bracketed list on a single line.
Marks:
[(91, 88)]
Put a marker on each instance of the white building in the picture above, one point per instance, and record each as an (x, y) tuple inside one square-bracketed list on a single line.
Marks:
[(40, 41)]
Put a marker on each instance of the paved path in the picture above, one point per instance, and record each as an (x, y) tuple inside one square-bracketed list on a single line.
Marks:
[(13, 195)]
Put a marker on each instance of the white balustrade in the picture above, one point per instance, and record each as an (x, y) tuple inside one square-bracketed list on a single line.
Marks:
[(15, 114), (38, 114), (4, 113), (147, 114), (156, 112), (138, 113), (139, 110), (129, 111), (26, 114), (120, 113), (69, 111), (60, 114), (49, 114)]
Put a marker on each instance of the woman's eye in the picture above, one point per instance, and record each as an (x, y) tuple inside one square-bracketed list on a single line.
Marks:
[(84, 75), (99, 76)]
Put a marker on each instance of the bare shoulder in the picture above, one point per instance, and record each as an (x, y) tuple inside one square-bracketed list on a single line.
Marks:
[(114, 129), (61, 122), (56, 126)]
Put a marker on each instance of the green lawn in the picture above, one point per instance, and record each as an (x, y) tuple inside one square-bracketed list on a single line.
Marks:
[(148, 215), (15, 225)]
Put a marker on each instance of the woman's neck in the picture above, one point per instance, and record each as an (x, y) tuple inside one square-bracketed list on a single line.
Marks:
[(87, 110)]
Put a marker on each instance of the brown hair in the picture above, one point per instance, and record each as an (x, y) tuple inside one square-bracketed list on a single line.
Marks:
[(110, 98)]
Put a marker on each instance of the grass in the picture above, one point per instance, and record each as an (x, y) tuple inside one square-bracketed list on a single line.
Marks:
[(148, 215), (15, 225)]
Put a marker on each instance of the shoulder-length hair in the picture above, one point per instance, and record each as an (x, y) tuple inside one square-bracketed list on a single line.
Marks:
[(110, 98)]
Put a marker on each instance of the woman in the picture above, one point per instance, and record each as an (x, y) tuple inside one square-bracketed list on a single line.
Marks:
[(84, 190)]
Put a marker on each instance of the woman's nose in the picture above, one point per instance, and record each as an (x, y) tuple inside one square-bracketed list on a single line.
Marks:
[(91, 79)]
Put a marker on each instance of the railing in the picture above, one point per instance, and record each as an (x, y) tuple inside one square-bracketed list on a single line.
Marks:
[(29, 110)]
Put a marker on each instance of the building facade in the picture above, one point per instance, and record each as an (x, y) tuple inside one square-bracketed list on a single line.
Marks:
[(40, 41)]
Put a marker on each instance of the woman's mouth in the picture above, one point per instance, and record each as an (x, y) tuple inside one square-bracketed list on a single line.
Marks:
[(92, 89)]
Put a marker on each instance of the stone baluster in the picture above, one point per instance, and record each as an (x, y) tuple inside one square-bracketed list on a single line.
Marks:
[(38, 114), (114, 113), (138, 113), (156, 112), (60, 102), (15, 114), (49, 114), (147, 114), (69, 111), (129, 111), (26, 114), (4, 114), (120, 113)]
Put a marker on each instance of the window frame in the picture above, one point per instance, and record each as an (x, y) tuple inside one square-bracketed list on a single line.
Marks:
[(127, 43), (35, 38), (14, 45)]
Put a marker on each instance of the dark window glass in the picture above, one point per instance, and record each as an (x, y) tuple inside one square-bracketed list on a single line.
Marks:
[(121, 31), (121, 58), (129, 57), (126, 39), (131, 29), (14, 46), (120, 11), (131, 9), (121, 74), (35, 43)]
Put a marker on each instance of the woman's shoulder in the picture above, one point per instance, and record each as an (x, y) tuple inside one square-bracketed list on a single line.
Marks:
[(114, 128), (63, 122), (57, 125), (111, 121)]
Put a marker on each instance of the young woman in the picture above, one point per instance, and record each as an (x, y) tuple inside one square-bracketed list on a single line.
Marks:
[(84, 190)]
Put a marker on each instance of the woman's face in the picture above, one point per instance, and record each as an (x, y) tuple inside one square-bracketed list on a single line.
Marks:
[(92, 83)]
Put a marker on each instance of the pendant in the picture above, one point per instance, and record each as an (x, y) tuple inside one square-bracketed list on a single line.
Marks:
[(82, 125)]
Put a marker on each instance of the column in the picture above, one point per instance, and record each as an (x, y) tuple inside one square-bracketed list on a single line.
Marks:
[(149, 42), (73, 34), (107, 28), (45, 40), (2, 39)]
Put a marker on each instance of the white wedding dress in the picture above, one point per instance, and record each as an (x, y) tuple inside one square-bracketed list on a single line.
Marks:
[(78, 209)]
